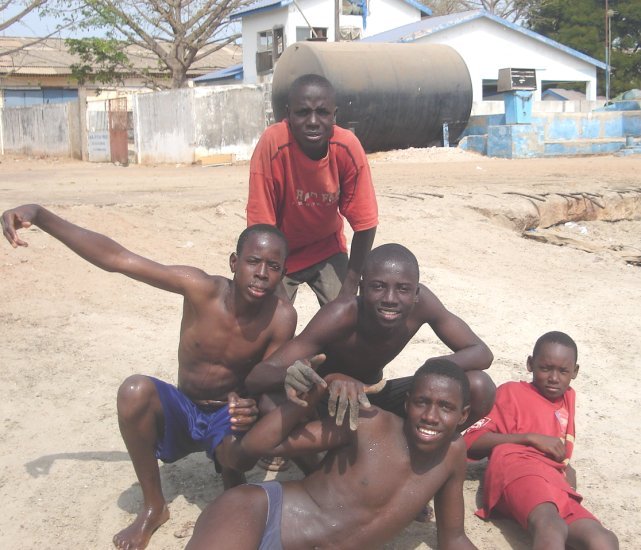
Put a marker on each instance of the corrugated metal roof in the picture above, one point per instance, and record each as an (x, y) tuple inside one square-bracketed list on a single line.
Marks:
[(50, 57), (229, 72), (433, 25)]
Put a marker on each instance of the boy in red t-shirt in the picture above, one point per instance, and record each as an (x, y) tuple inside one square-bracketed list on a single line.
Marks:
[(307, 176), (529, 437)]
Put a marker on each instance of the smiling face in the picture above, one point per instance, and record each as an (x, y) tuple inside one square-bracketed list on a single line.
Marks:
[(389, 290), (311, 113), (259, 266), (435, 411), (553, 368)]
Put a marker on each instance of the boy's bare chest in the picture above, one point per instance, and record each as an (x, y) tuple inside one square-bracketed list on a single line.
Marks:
[(220, 339)]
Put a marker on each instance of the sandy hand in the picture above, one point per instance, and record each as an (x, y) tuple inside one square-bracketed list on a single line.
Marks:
[(346, 392), (243, 412), (301, 377)]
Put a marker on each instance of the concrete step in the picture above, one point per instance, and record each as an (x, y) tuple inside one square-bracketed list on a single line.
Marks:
[(627, 151), (602, 146)]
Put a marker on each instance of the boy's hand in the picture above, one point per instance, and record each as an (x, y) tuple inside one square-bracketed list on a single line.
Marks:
[(344, 392), (554, 447), (243, 412), (17, 218), (301, 377)]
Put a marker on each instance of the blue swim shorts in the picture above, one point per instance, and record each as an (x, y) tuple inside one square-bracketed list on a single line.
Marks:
[(189, 428)]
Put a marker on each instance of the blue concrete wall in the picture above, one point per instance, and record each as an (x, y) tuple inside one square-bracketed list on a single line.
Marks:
[(552, 134)]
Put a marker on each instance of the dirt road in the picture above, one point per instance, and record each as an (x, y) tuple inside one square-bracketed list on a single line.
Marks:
[(72, 333)]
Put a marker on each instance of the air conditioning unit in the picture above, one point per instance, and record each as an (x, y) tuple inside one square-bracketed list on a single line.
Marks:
[(264, 62)]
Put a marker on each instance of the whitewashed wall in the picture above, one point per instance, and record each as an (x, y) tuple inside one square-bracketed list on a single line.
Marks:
[(384, 15), (49, 130), (487, 46), (188, 124)]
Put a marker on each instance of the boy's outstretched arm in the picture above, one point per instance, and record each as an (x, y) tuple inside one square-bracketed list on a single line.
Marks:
[(96, 248), (469, 351), (284, 432), (449, 506), (327, 324)]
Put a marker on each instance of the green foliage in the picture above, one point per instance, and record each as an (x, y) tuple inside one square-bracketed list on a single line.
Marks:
[(171, 36), (102, 60), (581, 24)]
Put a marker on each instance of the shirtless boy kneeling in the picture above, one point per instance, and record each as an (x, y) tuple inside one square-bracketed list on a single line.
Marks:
[(354, 500), (227, 327)]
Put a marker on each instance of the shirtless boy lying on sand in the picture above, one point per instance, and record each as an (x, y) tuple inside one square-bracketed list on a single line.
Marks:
[(360, 335), (354, 500), (227, 327)]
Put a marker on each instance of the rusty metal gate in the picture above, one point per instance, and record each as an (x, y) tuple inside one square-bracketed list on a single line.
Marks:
[(118, 130)]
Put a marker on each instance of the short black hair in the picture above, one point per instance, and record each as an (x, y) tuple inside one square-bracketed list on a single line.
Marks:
[(310, 79), (261, 228), (556, 337), (391, 251), (440, 366)]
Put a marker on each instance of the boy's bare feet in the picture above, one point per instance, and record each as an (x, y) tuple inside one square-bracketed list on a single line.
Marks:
[(137, 535)]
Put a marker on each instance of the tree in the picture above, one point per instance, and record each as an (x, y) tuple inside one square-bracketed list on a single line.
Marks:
[(18, 10), (176, 33), (511, 10), (581, 24)]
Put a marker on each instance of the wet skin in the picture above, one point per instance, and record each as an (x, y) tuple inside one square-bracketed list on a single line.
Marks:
[(347, 503), (227, 327), (361, 335)]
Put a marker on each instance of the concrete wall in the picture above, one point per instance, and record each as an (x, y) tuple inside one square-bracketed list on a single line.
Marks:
[(550, 106), (487, 46), (552, 134), (48, 130), (183, 126)]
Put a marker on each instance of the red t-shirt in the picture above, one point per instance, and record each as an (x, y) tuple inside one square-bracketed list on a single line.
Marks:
[(520, 408), (307, 199)]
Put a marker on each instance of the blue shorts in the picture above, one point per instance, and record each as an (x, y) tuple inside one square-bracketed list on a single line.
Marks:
[(189, 428), (271, 535)]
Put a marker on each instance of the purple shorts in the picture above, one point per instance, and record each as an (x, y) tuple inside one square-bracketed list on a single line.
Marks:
[(189, 428)]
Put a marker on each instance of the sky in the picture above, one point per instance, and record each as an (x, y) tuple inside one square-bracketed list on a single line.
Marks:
[(33, 25)]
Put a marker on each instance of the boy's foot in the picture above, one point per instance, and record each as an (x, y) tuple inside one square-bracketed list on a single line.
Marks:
[(425, 515), (274, 463), (137, 535)]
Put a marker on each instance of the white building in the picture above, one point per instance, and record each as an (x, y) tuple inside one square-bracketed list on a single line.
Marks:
[(269, 26), (488, 43)]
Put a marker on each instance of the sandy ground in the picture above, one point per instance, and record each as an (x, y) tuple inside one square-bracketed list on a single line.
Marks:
[(71, 333)]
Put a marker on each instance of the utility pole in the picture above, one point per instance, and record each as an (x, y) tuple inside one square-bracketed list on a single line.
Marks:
[(607, 52)]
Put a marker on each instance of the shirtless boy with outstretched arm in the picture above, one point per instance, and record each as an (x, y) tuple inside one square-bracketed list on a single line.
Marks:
[(354, 500), (360, 335), (227, 327)]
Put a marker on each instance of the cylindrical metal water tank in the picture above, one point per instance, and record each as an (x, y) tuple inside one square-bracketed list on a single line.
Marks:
[(392, 95)]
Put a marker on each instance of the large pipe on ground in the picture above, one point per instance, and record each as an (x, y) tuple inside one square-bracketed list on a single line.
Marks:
[(393, 96)]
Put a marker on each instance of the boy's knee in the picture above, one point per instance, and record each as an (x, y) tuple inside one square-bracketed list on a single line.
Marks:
[(603, 539), (135, 390), (482, 392), (545, 521)]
